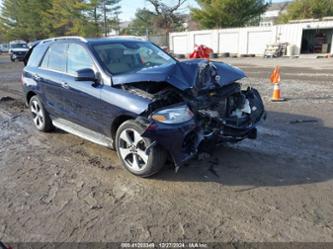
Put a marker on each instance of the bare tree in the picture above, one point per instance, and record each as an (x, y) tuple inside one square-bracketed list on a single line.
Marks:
[(167, 15), (162, 8)]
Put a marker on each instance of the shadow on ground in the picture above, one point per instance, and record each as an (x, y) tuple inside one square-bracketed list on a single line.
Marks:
[(290, 150)]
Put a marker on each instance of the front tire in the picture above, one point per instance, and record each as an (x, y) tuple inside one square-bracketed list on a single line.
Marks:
[(131, 148), (12, 58), (41, 118)]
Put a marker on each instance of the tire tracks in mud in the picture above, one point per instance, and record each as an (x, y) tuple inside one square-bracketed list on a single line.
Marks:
[(17, 125)]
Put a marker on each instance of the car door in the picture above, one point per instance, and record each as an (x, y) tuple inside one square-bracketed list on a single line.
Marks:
[(50, 76), (82, 98)]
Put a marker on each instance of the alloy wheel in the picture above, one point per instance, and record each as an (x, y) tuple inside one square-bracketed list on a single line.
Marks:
[(37, 114), (132, 149)]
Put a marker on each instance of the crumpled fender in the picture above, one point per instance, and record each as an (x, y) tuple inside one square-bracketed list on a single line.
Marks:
[(171, 138)]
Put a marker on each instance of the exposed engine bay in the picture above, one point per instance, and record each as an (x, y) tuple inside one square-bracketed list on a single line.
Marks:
[(224, 106), (221, 113), (214, 107)]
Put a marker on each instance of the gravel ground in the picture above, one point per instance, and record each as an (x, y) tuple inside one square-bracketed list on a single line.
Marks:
[(57, 187)]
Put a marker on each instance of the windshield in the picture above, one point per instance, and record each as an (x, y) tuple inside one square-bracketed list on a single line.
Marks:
[(23, 45), (131, 56)]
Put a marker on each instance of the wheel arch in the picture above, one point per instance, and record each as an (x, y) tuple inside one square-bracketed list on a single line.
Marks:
[(117, 123), (29, 95)]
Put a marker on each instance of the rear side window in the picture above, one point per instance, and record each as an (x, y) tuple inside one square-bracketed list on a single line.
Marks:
[(36, 55), (78, 58), (55, 57)]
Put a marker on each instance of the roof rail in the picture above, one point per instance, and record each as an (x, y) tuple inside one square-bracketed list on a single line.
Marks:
[(140, 38), (65, 38)]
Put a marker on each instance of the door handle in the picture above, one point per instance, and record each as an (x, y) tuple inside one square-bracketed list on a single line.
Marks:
[(65, 85)]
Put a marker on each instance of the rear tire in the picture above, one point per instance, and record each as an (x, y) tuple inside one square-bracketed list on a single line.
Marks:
[(131, 147), (41, 118)]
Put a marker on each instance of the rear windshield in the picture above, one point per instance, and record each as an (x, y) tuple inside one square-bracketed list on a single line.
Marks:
[(126, 57)]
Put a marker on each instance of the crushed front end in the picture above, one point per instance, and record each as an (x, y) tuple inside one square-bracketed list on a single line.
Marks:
[(219, 113), (217, 118), (229, 114)]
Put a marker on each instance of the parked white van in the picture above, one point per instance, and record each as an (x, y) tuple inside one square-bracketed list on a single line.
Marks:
[(17, 50)]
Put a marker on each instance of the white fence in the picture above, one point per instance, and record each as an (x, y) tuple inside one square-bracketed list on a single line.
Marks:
[(249, 40)]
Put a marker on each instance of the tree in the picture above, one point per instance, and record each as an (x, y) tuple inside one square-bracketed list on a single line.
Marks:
[(2, 33), (94, 16), (167, 17), (67, 17), (304, 9), (228, 13), (104, 15), (143, 22), (38, 19), (161, 20), (110, 10), (22, 19)]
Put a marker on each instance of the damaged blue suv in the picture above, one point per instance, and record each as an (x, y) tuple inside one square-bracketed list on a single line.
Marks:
[(130, 95)]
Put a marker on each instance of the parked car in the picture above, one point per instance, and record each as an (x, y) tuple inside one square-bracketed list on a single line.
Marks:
[(132, 96), (4, 48), (17, 50)]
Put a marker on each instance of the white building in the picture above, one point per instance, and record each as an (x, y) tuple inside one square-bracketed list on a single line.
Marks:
[(307, 36), (272, 13)]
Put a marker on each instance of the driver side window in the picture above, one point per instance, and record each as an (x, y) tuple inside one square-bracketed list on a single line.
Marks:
[(78, 58)]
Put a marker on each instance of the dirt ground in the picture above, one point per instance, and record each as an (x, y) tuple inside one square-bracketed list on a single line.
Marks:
[(57, 187)]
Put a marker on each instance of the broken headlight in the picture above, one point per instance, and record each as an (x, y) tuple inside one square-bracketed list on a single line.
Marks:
[(174, 115)]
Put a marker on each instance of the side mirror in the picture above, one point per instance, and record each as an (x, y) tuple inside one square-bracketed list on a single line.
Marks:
[(86, 74)]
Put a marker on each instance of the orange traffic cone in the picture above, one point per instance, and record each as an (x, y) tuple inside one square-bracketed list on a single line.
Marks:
[(275, 79)]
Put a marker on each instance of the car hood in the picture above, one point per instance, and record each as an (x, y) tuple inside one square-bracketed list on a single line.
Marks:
[(184, 75)]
